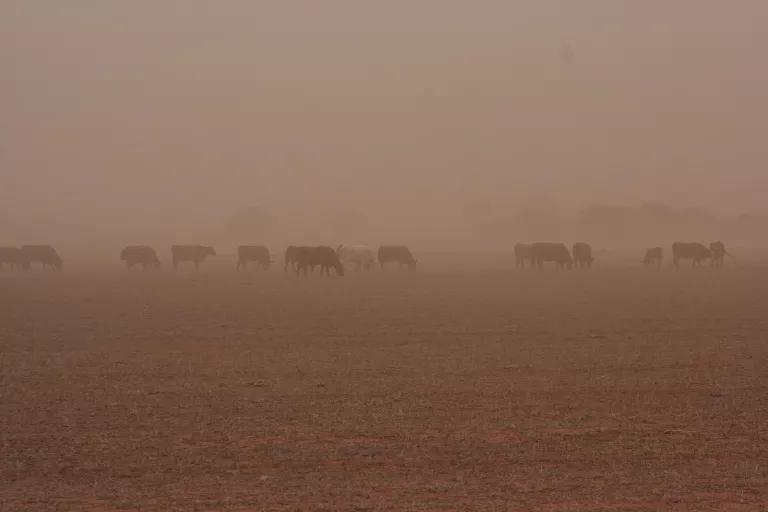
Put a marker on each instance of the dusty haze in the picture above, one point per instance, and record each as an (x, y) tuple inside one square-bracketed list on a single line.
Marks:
[(400, 121)]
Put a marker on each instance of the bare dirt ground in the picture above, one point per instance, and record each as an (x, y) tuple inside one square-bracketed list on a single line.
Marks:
[(463, 386)]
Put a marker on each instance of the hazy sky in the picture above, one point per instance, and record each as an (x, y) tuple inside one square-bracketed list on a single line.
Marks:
[(127, 114)]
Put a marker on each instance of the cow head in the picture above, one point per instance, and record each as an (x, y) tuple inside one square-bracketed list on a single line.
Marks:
[(209, 250)]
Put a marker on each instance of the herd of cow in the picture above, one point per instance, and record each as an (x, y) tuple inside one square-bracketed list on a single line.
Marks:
[(304, 259), (300, 259), (581, 256)]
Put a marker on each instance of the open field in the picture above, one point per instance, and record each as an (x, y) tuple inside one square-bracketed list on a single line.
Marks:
[(465, 385)]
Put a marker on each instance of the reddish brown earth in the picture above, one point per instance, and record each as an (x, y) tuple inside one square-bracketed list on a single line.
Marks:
[(457, 387)]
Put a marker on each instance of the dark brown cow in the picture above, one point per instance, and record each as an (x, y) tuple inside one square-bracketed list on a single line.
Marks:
[(10, 256), (143, 255), (325, 257), (256, 253), (194, 253), (291, 255), (718, 253), (582, 255), (43, 254), (395, 254), (693, 251), (523, 254), (653, 256), (542, 252)]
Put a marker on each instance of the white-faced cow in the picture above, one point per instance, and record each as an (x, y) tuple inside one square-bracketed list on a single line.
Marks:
[(542, 252), (193, 253), (11, 257), (43, 254), (361, 257), (718, 253), (258, 254), (325, 257), (522, 254), (693, 251), (653, 257), (396, 254), (143, 255)]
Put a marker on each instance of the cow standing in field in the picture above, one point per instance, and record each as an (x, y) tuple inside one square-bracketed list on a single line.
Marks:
[(292, 254), (43, 254), (522, 254), (323, 256), (718, 253), (258, 254), (653, 256), (396, 254), (10, 256), (143, 255), (693, 251), (542, 252), (359, 256), (194, 253), (582, 255)]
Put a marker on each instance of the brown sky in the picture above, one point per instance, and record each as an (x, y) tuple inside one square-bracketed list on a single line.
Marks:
[(124, 115)]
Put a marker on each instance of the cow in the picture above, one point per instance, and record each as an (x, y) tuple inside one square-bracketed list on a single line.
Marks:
[(395, 254), (143, 255), (653, 256), (693, 251), (324, 257), (542, 252), (43, 254), (194, 253), (359, 256), (718, 253), (10, 256), (582, 255), (291, 256), (522, 253), (256, 253)]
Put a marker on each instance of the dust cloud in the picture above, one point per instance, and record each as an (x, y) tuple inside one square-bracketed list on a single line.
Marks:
[(437, 124)]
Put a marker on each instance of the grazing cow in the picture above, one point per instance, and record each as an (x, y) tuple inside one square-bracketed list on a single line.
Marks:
[(194, 253), (323, 256), (582, 255), (292, 254), (693, 251), (255, 253), (396, 254), (360, 256), (43, 254), (718, 253), (143, 255), (10, 256), (542, 252), (653, 256), (522, 253)]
